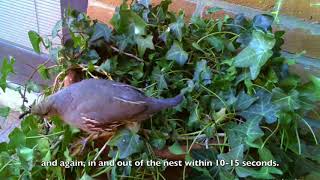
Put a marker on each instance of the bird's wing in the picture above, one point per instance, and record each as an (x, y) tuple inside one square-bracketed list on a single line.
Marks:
[(114, 111), (126, 86)]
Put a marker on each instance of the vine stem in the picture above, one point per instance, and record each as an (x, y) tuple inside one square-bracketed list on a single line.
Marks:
[(307, 124), (42, 136), (215, 33), (273, 132), (56, 81), (128, 54), (102, 149), (24, 99)]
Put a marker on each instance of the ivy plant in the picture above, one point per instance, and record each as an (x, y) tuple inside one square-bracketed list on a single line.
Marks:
[(240, 101)]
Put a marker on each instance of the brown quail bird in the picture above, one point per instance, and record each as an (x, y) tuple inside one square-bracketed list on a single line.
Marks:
[(97, 105)]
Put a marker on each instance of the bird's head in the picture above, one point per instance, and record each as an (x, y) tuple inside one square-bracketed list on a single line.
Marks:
[(43, 108)]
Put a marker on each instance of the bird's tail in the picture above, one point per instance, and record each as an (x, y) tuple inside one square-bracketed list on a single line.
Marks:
[(169, 102)]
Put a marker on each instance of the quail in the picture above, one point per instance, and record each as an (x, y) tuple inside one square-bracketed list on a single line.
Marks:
[(98, 105)]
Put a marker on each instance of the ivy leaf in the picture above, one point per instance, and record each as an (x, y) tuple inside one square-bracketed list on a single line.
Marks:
[(176, 27), (109, 65), (31, 86), (205, 155), (145, 3), (194, 117), (6, 68), (57, 27), (101, 30), (126, 20), (123, 41), (244, 101), (263, 173), (4, 111), (17, 138), (256, 54), (35, 40), (216, 42), (158, 142), (43, 72), (159, 77), (12, 170), (202, 73), (176, 149), (26, 154), (252, 130), (288, 102), (86, 177), (91, 57), (235, 153), (262, 109), (247, 132), (177, 54), (213, 10), (127, 143), (263, 21), (54, 53), (144, 43), (165, 35)]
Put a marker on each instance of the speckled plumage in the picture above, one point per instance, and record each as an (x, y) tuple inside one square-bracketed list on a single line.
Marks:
[(101, 105)]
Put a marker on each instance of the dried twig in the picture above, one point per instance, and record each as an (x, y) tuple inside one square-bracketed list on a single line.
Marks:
[(56, 81)]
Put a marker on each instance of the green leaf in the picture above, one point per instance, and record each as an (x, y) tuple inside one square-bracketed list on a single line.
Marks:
[(213, 10), (144, 43), (177, 54), (263, 173), (86, 177), (164, 36), (256, 54), (43, 146), (216, 42), (6, 69), (109, 65), (235, 153), (127, 143), (43, 71), (92, 56), (158, 143), (194, 117), (176, 27), (26, 154), (17, 138), (54, 53), (8, 170), (127, 21), (35, 40), (4, 111), (31, 86), (263, 21), (202, 73), (244, 101), (101, 31), (176, 149), (245, 133), (159, 77), (57, 27), (263, 108), (204, 155), (288, 102)]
